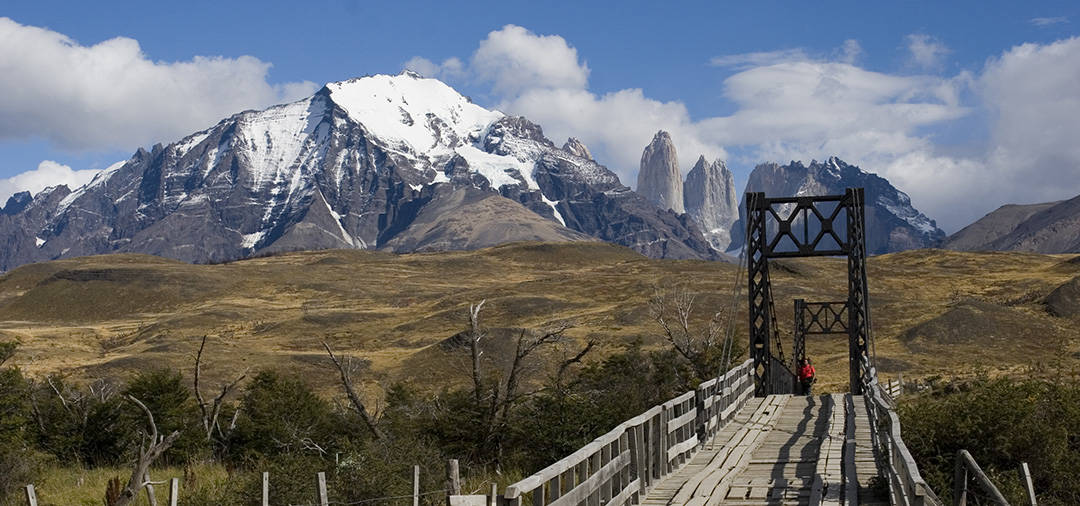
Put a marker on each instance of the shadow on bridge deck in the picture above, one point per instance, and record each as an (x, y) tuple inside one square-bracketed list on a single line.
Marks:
[(768, 455)]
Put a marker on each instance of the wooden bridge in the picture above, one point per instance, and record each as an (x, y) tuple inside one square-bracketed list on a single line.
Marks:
[(746, 437)]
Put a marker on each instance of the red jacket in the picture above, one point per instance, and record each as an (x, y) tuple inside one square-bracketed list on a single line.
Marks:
[(806, 372)]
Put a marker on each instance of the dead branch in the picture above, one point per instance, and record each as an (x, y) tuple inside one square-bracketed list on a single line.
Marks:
[(140, 474), (695, 346), (211, 411), (358, 404), (576, 359)]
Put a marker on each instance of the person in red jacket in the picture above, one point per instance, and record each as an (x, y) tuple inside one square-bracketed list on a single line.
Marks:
[(807, 375)]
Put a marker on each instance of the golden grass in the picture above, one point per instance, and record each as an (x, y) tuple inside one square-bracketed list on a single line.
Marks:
[(74, 486), (109, 316)]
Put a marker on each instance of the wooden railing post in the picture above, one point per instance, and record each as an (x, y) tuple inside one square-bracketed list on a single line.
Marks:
[(174, 491), (324, 497), (416, 485), (1025, 477), (265, 488), (636, 459), (31, 495), (453, 478)]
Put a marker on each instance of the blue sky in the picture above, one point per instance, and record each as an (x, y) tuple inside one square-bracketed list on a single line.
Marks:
[(933, 95)]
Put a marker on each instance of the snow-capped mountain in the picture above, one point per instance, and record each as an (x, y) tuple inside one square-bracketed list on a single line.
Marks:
[(892, 224), (349, 167)]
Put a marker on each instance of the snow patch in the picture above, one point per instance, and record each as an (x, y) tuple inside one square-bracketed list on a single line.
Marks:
[(400, 109), (99, 179), (273, 140), (497, 169), (39, 241), (249, 241), (552, 203), (337, 219)]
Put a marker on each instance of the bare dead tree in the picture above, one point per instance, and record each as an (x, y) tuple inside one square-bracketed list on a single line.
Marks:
[(497, 392), (672, 310), (140, 473), (357, 403), (212, 410), (475, 334)]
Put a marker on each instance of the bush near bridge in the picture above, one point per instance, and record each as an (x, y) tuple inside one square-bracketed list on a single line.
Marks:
[(69, 439), (1002, 422)]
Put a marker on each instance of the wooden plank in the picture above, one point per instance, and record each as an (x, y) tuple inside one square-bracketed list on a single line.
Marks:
[(31, 495), (713, 482), (627, 493), (681, 448), (681, 420), (592, 484)]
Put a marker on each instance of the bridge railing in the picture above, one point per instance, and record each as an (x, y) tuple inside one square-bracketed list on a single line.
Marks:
[(619, 467), (906, 485)]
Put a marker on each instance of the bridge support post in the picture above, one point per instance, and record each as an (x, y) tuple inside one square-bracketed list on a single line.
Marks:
[(759, 291), (858, 296)]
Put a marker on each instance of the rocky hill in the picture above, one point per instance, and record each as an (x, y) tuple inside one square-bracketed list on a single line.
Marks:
[(1052, 227)]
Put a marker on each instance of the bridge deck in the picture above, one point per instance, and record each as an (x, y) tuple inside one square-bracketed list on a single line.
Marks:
[(770, 453)]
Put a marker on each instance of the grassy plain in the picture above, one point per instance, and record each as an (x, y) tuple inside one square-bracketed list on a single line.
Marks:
[(934, 312)]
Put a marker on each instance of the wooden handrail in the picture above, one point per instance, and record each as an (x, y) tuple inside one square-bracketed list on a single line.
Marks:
[(906, 485), (965, 464), (619, 467)]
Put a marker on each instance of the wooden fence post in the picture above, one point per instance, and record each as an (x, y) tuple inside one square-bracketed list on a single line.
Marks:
[(324, 499), (453, 478), (31, 496), (494, 495), (1025, 477), (174, 491), (265, 488), (416, 485)]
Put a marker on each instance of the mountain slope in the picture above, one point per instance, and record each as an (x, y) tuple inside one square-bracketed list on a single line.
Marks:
[(331, 171), (1055, 229), (467, 218), (892, 224), (995, 225)]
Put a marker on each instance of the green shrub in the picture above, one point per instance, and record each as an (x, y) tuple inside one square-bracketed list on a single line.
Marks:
[(169, 399), (282, 415), (83, 426), (1002, 422)]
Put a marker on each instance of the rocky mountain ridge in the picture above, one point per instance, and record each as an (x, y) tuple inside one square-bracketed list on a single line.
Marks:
[(349, 167), (892, 223)]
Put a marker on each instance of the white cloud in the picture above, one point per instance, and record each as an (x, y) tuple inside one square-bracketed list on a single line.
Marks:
[(1048, 21), (449, 69), (1031, 89), (760, 58), (926, 52), (790, 105), (112, 96), (515, 59), (850, 52), (48, 173), (542, 78)]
